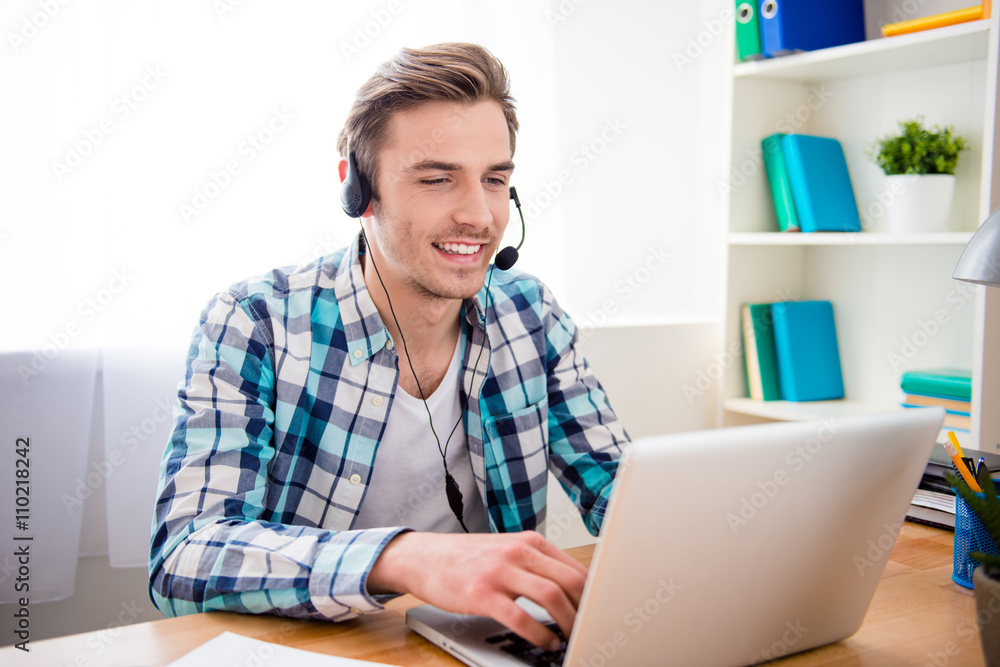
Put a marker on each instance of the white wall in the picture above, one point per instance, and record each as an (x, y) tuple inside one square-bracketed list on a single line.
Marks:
[(643, 109)]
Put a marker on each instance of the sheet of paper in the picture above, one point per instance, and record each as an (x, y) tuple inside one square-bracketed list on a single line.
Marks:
[(231, 649)]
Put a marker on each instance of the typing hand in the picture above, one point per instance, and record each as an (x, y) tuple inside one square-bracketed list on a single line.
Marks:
[(483, 574)]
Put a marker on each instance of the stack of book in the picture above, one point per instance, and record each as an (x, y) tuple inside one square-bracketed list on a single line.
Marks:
[(948, 388), (934, 501), (790, 350), (810, 185)]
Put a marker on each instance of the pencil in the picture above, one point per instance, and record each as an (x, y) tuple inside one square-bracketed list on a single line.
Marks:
[(954, 441), (935, 21), (962, 468)]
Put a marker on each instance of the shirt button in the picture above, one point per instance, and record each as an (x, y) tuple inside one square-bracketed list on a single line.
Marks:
[(356, 611), (388, 345), (377, 401), (357, 354), (355, 479)]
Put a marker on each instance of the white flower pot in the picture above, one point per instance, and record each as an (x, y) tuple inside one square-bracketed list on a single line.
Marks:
[(920, 203)]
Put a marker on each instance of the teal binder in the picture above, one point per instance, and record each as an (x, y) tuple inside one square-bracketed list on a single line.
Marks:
[(781, 187), (747, 31), (821, 185), (805, 340), (758, 352)]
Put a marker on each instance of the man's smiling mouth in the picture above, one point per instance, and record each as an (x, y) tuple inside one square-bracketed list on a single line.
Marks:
[(458, 248)]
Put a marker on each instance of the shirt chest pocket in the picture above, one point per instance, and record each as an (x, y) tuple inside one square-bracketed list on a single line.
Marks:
[(516, 454)]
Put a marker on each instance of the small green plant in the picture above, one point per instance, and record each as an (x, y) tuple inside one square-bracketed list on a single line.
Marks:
[(918, 150), (987, 509)]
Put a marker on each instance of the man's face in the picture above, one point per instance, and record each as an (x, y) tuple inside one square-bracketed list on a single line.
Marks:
[(444, 173)]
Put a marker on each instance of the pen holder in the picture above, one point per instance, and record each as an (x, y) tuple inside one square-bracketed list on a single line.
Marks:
[(970, 535)]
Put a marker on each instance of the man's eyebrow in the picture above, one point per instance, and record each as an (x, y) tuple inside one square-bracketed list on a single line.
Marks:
[(437, 165), (433, 165), (507, 165)]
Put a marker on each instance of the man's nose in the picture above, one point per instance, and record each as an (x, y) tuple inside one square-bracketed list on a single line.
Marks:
[(472, 208)]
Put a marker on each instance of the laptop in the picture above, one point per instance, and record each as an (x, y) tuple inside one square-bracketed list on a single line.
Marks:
[(734, 546)]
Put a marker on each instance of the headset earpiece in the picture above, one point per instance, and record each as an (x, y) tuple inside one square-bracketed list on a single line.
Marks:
[(356, 192)]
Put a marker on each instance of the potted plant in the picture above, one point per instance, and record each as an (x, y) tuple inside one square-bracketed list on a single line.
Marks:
[(986, 578), (919, 164)]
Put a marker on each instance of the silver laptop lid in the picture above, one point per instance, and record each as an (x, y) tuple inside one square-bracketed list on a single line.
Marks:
[(738, 546)]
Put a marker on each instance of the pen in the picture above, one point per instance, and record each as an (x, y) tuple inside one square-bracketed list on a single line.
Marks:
[(962, 468), (970, 463), (982, 465)]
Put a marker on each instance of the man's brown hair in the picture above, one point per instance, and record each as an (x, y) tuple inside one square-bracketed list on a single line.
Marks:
[(449, 72)]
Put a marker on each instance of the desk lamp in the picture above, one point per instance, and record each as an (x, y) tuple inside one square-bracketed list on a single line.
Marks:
[(980, 261)]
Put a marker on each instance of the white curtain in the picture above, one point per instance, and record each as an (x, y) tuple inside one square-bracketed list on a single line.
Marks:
[(46, 405)]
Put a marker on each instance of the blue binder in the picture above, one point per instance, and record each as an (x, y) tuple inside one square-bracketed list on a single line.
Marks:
[(787, 26), (821, 185), (805, 340)]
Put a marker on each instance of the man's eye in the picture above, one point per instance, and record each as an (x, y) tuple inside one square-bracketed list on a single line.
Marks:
[(433, 181), (495, 181)]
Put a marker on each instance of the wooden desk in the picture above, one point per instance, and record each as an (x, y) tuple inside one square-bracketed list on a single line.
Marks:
[(918, 617)]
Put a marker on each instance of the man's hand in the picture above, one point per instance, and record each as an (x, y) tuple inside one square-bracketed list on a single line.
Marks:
[(483, 574)]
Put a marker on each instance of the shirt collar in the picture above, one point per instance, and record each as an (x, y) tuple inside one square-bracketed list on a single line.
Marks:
[(364, 330)]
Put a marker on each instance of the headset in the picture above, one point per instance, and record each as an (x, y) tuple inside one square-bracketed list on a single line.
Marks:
[(355, 196)]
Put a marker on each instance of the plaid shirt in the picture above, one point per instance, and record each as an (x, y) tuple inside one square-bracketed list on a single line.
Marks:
[(290, 379)]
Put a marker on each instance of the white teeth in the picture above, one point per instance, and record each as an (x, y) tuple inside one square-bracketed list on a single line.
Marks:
[(459, 248)]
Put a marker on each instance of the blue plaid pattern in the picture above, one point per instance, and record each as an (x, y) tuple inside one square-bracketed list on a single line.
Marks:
[(290, 378)]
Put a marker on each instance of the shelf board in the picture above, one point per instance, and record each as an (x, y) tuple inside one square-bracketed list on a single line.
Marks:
[(846, 238), (791, 411), (940, 46)]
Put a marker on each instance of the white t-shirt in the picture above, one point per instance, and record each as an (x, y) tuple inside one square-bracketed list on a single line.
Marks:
[(407, 483)]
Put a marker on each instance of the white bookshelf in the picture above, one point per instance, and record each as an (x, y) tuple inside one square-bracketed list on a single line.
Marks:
[(789, 411), (895, 303), (929, 48)]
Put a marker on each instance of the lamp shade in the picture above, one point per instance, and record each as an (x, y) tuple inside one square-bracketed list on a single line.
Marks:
[(980, 261)]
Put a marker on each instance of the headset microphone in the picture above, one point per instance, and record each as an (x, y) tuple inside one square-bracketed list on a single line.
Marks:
[(508, 256)]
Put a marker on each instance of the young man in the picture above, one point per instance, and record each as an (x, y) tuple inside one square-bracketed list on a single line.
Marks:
[(325, 407)]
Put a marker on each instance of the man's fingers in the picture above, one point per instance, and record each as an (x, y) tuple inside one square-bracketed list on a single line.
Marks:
[(546, 594), (504, 610), (552, 550), (543, 558)]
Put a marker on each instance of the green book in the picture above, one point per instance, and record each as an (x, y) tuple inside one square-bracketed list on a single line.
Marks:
[(953, 383), (747, 31), (781, 185), (759, 353)]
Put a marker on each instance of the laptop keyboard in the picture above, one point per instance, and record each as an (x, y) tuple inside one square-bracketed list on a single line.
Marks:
[(527, 652)]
